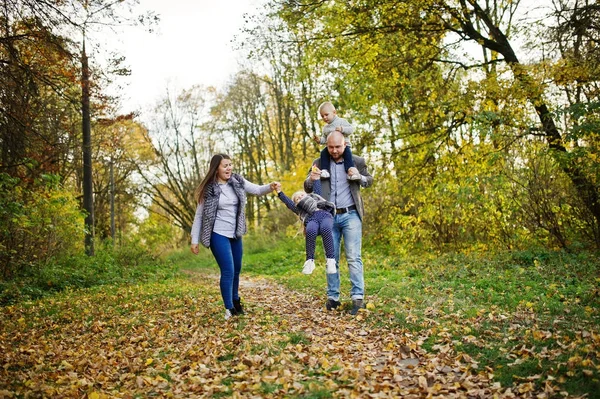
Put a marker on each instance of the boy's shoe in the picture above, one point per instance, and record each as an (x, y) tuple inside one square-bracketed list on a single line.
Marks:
[(309, 266), (354, 174), (357, 304), (331, 269), (237, 305), (229, 313), (332, 304), (324, 174)]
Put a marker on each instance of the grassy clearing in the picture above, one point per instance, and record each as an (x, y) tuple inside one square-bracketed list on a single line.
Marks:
[(527, 320), (531, 315), (169, 339)]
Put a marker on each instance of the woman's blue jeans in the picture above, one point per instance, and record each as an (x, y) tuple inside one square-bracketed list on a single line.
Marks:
[(228, 254)]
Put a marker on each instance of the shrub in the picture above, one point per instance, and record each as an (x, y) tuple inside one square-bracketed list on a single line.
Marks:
[(37, 222)]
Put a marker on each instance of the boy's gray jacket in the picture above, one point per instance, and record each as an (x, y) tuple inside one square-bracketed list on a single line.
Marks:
[(355, 185)]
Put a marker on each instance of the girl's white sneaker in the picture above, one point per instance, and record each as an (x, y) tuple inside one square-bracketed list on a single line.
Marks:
[(309, 266)]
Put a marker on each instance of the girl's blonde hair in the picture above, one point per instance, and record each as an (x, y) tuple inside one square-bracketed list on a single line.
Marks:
[(296, 195)]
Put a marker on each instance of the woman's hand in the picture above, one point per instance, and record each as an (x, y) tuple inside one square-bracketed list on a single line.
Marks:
[(194, 249), (276, 186)]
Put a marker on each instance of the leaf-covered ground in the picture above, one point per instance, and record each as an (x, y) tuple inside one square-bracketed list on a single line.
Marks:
[(171, 340)]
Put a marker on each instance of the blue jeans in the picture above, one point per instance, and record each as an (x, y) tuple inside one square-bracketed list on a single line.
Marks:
[(228, 254), (349, 226)]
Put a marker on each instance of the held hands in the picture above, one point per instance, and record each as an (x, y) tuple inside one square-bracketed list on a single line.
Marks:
[(276, 186)]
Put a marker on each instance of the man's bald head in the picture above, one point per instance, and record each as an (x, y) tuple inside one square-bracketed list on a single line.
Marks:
[(336, 144)]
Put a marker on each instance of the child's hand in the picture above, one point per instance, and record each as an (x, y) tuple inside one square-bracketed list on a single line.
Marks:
[(339, 129), (276, 186), (315, 173), (317, 139)]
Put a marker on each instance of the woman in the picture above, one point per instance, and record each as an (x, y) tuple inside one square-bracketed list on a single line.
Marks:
[(220, 222)]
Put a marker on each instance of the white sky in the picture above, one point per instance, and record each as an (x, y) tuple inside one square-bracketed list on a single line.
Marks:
[(191, 45)]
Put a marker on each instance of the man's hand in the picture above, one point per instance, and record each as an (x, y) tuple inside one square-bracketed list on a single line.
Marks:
[(194, 249)]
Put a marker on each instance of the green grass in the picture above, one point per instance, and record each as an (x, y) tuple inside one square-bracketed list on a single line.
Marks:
[(109, 266), (268, 388), (299, 338), (521, 314), (317, 394)]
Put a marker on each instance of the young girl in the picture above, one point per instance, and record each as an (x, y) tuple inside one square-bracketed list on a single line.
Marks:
[(317, 215)]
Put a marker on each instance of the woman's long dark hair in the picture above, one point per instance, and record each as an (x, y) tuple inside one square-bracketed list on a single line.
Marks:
[(211, 176)]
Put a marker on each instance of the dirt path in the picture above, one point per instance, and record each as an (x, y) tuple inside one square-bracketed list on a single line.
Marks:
[(341, 355), (170, 340)]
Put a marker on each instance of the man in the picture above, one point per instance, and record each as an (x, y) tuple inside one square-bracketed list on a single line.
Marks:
[(347, 223)]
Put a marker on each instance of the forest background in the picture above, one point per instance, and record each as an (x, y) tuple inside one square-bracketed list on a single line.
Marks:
[(473, 145), (479, 120)]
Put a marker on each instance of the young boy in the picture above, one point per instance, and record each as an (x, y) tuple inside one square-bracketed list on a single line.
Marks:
[(333, 123), (317, 215)]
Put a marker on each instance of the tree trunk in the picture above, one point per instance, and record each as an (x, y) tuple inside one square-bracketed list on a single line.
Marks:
[(88, 195)]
